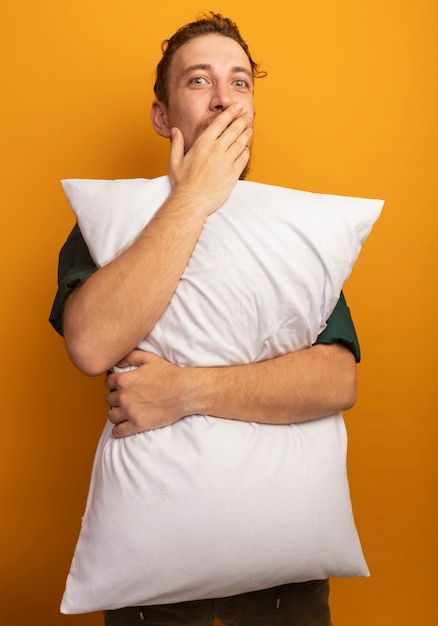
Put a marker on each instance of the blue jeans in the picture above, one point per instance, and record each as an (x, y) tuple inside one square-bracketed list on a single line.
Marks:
[(297, 604)]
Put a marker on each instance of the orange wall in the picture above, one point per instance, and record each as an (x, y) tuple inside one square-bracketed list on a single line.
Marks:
[(349, 107)]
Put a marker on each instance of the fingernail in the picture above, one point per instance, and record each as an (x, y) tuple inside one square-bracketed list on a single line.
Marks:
[(239, 106)]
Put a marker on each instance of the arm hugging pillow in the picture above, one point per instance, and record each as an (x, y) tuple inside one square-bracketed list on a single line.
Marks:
[(211, 507)]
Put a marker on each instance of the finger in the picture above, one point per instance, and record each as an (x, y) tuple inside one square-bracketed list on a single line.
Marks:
[(134, 358), (125, 429), (116, 415), (242, 161), (176, 149), (111, 381), (239, 145), (123, 362), (221, 122), (111, 399), (237, 137)]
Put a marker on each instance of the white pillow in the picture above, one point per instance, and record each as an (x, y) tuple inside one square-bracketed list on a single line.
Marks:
[(210, 507)]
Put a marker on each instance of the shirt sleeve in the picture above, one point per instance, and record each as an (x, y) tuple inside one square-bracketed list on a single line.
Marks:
[(74, 266), (340, 329)]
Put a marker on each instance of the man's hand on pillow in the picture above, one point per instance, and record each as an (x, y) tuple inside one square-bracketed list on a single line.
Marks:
[(159, 393), (148, 397)]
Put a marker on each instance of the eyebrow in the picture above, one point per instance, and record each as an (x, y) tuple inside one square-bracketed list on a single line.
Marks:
[(208, 67)]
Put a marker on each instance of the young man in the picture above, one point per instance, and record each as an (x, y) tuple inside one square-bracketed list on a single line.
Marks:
[(204, 105)]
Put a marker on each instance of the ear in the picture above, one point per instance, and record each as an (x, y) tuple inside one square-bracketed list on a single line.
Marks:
[(159, 119)]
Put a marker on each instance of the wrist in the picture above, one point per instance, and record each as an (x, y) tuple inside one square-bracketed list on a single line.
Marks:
[(198, 385), (185, 200)]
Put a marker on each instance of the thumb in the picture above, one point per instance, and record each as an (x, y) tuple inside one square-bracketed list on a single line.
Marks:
[(136, 358), (176, 150)]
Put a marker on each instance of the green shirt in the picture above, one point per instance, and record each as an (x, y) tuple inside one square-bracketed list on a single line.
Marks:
[(76, 264)]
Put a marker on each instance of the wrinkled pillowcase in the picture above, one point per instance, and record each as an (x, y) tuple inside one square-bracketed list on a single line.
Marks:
[(210, 507)]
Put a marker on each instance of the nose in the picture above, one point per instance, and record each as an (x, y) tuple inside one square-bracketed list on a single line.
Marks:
[(221, 98)]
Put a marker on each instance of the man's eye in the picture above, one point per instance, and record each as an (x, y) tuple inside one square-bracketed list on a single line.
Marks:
[(197, 80), (240, 82)]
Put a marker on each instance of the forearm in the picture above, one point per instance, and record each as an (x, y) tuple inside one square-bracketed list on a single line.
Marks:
[(301, 386), (117, 306)]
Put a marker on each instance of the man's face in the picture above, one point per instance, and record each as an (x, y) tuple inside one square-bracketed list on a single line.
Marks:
[(207, 74)]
